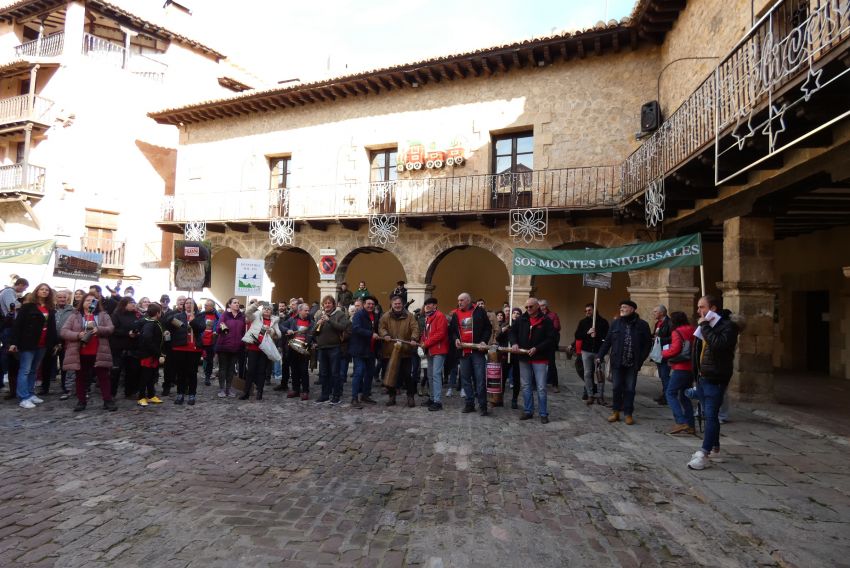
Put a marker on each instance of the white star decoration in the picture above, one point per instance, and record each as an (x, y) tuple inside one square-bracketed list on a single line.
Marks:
[(769, 131), (812, 84), (383, 229), (736, 134), (195, 230)]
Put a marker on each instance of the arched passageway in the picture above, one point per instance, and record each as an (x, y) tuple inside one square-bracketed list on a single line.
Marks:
[(223, 274), (379, 268), (295, 275), (468, 269)]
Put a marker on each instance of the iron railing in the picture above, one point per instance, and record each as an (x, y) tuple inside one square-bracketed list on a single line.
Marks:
[(116, 55), (786, 41), (25, 108), (45, 46), (112, 250), (571, 188), (12, 179)]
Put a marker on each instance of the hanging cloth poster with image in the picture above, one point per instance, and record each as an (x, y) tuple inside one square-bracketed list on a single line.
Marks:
[(249, 277), (192, 265)]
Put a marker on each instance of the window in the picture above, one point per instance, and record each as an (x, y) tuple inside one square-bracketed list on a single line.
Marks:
[(280, 171), (383, 165), (513, 164), (382, 172), (100, 230), (280, 177)]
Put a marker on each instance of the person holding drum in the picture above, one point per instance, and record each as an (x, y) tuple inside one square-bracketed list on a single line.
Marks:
[(399, 330), (298, 333)]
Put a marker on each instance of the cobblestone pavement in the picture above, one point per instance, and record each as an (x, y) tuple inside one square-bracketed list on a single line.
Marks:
[(286, 483)]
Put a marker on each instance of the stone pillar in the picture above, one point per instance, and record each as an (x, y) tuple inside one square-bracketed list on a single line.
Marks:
[(749, 288), (521, 294), (644, 291), (844, 326), (420, 292), (327, 288)]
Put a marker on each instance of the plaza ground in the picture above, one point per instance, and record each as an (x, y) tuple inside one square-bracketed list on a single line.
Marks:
[(285, 483)]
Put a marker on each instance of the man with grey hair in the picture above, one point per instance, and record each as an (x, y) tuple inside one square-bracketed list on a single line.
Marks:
[(552, 376), (663, 331), (468, 324)]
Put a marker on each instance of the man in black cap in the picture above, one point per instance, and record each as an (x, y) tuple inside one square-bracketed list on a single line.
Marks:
[(629, 341)]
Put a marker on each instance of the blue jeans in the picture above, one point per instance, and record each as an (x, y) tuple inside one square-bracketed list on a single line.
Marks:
[(30, 360), (361, 381), (711, 396), (472, 368), (277, 368), (683, 409), (625, 381), (538, 373), (664, 375), (329, 372), (344, 360), (435, 375)]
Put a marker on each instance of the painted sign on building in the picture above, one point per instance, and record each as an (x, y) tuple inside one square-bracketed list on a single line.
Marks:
[(416, 154)]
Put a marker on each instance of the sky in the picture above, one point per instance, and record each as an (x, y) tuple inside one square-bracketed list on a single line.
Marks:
[(309, 40)]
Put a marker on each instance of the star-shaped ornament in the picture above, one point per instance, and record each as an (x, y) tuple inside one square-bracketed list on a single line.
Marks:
[(769, 131), (743, 130), (812, 84)]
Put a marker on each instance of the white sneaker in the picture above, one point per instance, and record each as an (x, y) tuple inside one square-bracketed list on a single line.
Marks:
[(35, 399), (26, 404), (448, 393), (698, 461), (462, 393), (221, 394)]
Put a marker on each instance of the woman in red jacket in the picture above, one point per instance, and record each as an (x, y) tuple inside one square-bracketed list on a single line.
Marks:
[(678, 355), (87, 351)]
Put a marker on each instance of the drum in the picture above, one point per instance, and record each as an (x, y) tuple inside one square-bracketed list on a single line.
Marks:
[(493, 381), (298, 346), (391, 378)]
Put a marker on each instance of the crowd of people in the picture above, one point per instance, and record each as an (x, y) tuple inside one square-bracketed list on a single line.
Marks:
[(85, 338)]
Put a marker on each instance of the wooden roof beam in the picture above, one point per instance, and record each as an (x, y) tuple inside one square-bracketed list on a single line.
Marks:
[(564, 53), (532, 61), (547, 57), (433, 78), (615, 42), (471, 68), (597, 45), (457, 71), (485, 67), (336, 91), (515, 58), (580, 49), (633, 39), (392, 81), (444, 75), (417, 77)]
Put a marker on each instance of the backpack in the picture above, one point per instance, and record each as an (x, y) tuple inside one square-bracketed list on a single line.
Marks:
[(685, 354)]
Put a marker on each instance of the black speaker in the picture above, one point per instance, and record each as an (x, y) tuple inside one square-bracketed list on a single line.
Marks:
[(650, 116)]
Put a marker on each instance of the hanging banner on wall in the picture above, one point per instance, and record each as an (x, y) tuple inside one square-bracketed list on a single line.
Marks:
[(670, 253), (192, 266), (249, 277), (78, 265), (27, 252)]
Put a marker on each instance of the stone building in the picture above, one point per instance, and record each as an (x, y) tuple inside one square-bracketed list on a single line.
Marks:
[(433, 171), (80, 161)]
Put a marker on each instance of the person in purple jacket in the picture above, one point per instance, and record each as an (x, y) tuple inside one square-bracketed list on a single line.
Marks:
[(231, 328)]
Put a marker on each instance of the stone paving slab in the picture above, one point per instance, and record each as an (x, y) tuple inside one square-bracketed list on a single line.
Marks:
[(285, 483)]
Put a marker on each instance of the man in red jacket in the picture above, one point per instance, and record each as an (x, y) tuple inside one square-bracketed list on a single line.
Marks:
[(435, 341)]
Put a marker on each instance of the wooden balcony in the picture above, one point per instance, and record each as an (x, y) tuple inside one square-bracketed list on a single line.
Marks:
[(486, 197), (51, 45), (112, 251), (99, 49), (24, 109), (20, 179)]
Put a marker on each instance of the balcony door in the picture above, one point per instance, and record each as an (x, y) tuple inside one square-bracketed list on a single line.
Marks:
[(280, 177), (382, 177), (513, 164)]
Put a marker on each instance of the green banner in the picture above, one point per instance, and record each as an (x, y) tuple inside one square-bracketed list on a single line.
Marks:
[(27, 252), (672, 253)]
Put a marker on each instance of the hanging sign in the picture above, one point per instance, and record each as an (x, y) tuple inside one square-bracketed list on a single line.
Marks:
[(249, 277), (416, 155), (327, 267), (671, 253), (192, 265), (601, 280), (27, 252), (78, 264)]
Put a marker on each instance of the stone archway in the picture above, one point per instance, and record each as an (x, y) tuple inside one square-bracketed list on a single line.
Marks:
[(427, 262), (223, 273), (294, 273), (469, 268), (380, 268)]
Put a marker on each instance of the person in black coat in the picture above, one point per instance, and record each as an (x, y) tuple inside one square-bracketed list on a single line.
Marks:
[(591, 341), (33, 334), (122, 342), (629, 342), (534, 332), (148, 351), (363, 347), (469, 323), (187, 329)]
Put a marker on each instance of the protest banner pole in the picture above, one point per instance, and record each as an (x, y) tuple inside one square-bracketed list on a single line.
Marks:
[(595, 297), (702, 280), (511, 310)]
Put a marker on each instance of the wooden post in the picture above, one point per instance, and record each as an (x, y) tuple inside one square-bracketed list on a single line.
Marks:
[(595, 297), (702, 279)]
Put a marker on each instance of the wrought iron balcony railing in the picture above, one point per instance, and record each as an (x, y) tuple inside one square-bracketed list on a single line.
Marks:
[(19, 178), (572, 188), (788, 41), (112, 251), (45, 46), (25, 108)]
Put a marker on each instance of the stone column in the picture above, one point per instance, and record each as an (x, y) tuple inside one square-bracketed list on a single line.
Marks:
[(327, 288), (521, 294), (420, 292), (749, 288)]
